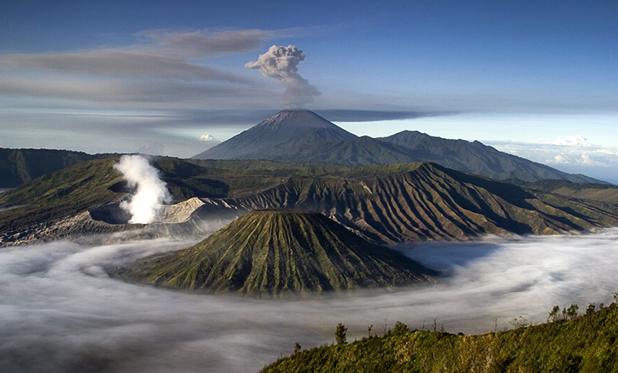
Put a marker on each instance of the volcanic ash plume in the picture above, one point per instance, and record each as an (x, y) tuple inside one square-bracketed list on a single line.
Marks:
[(281, 63), (150, 191)]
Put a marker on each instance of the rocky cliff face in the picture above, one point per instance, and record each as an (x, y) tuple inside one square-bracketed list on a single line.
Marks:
[(435, 203)]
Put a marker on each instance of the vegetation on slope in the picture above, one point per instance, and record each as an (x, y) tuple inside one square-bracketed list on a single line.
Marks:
[(432, 202), (571, 344), (19, 166), (275, 252), (387, 204), (90, 184), (60, 194), (595, 192)]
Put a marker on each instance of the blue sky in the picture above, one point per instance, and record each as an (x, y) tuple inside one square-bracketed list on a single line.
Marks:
[(148, 75)]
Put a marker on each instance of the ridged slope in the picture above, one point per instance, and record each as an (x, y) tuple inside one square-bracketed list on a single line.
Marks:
[(274, 252), (433, 202)]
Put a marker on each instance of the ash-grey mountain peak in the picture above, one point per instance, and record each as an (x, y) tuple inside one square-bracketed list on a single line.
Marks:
[(286, 126), (304, 136)]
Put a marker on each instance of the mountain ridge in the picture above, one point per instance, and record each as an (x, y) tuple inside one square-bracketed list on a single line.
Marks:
[(19, 166), (386, 204), (432, 202), (303, 136)]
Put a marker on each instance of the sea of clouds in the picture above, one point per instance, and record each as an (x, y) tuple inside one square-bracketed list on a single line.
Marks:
[(59, 310)]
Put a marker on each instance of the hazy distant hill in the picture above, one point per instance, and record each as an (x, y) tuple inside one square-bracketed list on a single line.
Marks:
[(605, 193), (303, 136), (477, 158), (19, 166), (275, 252)]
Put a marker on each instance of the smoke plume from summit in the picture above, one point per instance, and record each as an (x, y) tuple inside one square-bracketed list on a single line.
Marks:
[(281, 63)]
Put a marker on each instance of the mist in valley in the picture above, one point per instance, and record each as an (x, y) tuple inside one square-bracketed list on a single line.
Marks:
[(60, 311)]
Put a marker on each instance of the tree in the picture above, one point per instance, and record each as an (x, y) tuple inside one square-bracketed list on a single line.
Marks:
[(341, 334), (571, 312), (297, 347), (400, 328), (554, 314), (519, 322), (590, 310)]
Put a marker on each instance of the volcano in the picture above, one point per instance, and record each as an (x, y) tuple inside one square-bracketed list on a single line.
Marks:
[(271, 252)]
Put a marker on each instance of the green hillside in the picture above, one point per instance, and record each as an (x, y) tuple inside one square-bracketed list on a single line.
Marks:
[(579, 344), (386, 204), (60, 194), (93, 183), (432, 202), (276, 252), (595, 192), (19, 166)]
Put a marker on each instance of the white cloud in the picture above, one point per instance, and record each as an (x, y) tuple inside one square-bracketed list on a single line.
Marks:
[(559, 159), (162, 66), (575, 159), (573, 150), (208, 138), (571, 141), (571, 154)]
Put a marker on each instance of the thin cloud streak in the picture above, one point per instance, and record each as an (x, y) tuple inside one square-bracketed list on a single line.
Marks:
[(165, 66)]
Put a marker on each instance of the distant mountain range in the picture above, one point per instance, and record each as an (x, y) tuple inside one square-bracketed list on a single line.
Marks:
[(275, 252), (304, 136)]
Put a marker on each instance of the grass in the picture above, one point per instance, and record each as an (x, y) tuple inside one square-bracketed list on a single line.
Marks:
[(267, 253), (587, 343)]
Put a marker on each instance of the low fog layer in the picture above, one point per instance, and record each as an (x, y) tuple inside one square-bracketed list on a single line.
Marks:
[(60, 312)]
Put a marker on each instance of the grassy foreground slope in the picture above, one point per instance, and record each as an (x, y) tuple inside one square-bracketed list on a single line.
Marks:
[(585, 344), (275, 252)]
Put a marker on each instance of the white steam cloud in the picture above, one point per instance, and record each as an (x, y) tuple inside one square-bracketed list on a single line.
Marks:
[(60, 312), (281, 63), (150, 190)]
